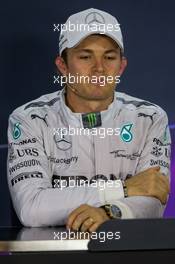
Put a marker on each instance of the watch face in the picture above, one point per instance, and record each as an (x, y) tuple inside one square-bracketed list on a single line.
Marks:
[(115, 211)]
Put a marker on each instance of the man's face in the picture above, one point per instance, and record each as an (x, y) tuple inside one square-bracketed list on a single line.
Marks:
[(97, 56)]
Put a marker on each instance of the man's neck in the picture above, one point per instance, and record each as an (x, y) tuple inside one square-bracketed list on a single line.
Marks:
[(78, 104)]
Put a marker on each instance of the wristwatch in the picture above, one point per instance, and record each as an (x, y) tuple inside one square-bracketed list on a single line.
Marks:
[(112, 210), (125, 189)]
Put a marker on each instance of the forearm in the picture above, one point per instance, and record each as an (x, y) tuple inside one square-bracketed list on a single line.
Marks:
[(140, 207), (49, 207), (38, 204)]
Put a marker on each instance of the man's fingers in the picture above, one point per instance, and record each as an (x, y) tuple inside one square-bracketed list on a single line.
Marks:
[(165, 180), (160, 188), (79, 220), (94, 227), (74, 214), (157, 168), (164, 187), (87, 224)]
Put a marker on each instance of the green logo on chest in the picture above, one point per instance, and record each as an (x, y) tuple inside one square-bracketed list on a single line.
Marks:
[(126, 134)]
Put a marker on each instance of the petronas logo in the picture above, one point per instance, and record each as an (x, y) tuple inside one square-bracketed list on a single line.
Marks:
[(165, 135), (92, 120), (126, 134), (16, 131)]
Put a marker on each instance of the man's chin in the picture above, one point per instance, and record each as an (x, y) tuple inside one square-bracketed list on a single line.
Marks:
[(96, 92), (100, 91), (98, 96)]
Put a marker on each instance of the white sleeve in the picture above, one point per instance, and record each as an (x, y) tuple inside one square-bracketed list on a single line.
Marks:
[(156, 152), (30, 179)]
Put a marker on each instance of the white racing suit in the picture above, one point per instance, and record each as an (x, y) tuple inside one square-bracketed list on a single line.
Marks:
[(58, 160)]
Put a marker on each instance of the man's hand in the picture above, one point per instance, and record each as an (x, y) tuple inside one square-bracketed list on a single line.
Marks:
[(86, 218), (150, 182)]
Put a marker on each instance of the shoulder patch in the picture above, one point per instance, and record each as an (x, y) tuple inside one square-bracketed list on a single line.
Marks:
[(42, 103), (135, 103)]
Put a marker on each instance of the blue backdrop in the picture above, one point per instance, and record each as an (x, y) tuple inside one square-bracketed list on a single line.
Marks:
[(29, 45)]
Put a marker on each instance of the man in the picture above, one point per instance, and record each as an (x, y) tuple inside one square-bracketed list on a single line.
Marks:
[(58, 157)]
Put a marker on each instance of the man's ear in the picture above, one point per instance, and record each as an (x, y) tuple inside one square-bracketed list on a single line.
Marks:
[(123, 65), (61, 65)]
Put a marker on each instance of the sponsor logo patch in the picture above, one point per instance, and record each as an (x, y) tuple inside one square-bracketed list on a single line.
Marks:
[(62, 142), (27, 152), (157, 151), (24, 141), (26, 163), (161, 163), (16, 131), (63, 160), (91, 120), (26, 175), (122, 154), (126, 134)]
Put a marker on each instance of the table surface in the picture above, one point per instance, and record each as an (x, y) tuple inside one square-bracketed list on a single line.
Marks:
[(135, 234), (41, 239)]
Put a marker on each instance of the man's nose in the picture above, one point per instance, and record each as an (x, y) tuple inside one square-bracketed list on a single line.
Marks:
[(98, 65)]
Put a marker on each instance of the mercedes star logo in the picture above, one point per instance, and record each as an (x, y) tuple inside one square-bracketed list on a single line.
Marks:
[(63, 142), (94, 17)]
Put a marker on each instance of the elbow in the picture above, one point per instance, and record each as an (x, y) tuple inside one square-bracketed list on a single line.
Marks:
[(29, 218)]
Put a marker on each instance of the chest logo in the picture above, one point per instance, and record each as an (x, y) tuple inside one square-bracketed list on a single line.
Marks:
[(91, 120), (16, 131), (62, 142), (126, 134)]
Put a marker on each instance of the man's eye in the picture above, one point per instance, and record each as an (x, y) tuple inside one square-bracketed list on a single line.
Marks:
[(110, 58), (84, 57)]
